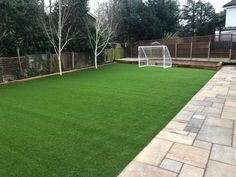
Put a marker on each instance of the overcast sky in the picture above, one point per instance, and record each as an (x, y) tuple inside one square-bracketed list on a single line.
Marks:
[(216, 3)]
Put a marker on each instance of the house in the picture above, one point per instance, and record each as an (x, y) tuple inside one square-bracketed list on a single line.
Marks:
[(91, 17), (228, 33), (230, 14)]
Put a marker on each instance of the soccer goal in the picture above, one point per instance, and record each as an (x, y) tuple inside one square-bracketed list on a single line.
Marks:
[(154, 55)]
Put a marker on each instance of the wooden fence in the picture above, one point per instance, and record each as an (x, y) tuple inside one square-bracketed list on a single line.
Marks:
[(193, 47), (113, 54), (13, 68)]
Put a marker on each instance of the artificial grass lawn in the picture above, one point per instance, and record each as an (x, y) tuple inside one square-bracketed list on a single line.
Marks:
[(90, 123)]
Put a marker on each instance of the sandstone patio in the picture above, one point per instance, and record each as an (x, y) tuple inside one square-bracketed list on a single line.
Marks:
[(200, 140)]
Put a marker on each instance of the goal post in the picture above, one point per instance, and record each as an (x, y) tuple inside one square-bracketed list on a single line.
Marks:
[(155, 55)]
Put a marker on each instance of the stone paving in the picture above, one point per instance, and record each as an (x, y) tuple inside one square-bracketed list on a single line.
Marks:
[(200, 140)]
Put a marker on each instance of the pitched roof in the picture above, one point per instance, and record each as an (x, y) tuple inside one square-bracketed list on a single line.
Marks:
[(231, 3)]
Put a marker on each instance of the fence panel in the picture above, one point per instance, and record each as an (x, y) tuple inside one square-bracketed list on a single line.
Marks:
[(200, 50), (183, 50), (202, 47), (233, 54), (171, 48), (13, 68)]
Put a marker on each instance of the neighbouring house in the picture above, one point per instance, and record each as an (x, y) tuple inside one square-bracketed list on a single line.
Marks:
[(91, 17), (230, 14), (229, 32)]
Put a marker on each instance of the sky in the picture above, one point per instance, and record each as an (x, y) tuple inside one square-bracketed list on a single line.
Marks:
[(216, 3)]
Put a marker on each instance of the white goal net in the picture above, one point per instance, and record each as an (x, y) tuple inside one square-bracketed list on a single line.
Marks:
[(157, 55)]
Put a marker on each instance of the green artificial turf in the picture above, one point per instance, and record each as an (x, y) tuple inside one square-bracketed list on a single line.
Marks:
[(90, 123)]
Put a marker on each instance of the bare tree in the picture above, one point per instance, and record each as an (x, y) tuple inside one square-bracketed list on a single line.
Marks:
[(60, 30), (104, 29)]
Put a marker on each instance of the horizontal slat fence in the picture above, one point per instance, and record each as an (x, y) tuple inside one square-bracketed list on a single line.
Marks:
[(206, 47), (14, 68)]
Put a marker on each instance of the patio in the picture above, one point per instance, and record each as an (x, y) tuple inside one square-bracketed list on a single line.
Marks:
[(201, 138)]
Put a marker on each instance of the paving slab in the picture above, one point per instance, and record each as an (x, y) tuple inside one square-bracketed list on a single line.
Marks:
[(184, 115), (138, 169), (219, 122), (191, 171), (176, 125), (202, 144), (234, 141), (199, 116), (217, 169), (201, 103), (171, 165), (200, 140), (215, 134), (154, 152), (229, 115), (193, 108), (189, 154), (174, 137), (223, 154)]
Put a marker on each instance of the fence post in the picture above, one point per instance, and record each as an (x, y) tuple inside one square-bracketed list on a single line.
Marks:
[(191, 49), (209, 49), (113, 53), (19, 60), (1, 70), (73, 60), (176, 50), (230, 53), (131, 51), (230, 50)]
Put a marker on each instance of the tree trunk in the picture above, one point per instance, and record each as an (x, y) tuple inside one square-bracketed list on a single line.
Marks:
[(50, 6), (18, 55), (96, 56), (59, 37), (96, 61), (59, 62)]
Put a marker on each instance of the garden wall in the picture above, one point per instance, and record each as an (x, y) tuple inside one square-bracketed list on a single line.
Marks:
[(14, 68)]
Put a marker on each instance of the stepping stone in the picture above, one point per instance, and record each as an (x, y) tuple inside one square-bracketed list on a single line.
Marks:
[(215, 134), (154, 152), (138, 169), (171, 165), (189, 154), (223, 154), (217, 169), (191, 171)]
